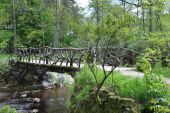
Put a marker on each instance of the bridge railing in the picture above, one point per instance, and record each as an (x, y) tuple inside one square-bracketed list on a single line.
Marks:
[(75, 56), (51, 56)]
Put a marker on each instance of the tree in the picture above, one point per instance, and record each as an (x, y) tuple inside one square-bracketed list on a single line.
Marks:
[(14, 23), (99, 9), (56, 31)]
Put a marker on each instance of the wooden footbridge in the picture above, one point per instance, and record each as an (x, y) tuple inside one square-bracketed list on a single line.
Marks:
[(67, 60)]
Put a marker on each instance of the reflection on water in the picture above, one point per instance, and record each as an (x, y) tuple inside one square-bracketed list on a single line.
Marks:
[(52, 101)]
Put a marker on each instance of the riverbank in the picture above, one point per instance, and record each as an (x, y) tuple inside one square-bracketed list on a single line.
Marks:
[(142, 91), (51, 95)]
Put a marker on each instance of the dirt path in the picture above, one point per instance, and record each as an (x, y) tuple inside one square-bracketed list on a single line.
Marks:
[(129, 71)]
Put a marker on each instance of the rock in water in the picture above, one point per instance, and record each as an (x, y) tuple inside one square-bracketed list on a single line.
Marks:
[(23, 96), (35, 111), (48, 85), (36, 100)]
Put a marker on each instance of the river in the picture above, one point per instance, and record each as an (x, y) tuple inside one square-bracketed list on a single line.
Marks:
[(48, 100)]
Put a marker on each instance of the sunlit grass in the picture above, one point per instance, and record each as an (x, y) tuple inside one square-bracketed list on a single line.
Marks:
[(4, 58), (125, 86), (159, 70), (168, 89)]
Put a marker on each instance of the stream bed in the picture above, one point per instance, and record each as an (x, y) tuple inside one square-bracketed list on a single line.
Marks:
[(51, 99), (38, 101)]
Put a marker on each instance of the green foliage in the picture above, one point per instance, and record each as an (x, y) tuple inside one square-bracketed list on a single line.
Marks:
[(125, 86), (159, 106), (4, 58), (157, 95), (156, 88), (84, 83), (4, 71), (144, 65), (147, 60), (5, 38), (160, 70), (143, 90), (130, 87), (7, 109), (35, 38)]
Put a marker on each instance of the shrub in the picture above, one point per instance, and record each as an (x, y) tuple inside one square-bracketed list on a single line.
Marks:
[(159, 105), (3, 68), (144, 65), (147, 60), (156, 88), (5, 71), (143, 90), (156, 94), (7, 109), (84, 83)]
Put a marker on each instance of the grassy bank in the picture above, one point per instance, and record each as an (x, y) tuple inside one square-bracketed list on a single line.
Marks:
[(165, 71), (4, 57), (145, 90), (125, 86)]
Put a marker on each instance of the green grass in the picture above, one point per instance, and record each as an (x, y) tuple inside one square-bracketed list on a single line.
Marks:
[(4, 57), (165, 19), (168, 90), (142, 90), (159, 70), (125, 86)]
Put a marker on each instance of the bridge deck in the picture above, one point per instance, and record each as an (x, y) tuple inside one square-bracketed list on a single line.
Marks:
[(51, 63), (46, 67)]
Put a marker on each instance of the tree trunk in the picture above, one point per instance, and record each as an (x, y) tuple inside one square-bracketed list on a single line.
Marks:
[(143, 17), (42, 23), (14, 24), (98, 22), (56, 24), (137, 9), (150, 17)]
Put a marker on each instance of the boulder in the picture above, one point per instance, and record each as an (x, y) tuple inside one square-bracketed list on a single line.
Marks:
[(36, 100), (105, 102), (35, 111), (23, 96), (60, 78)]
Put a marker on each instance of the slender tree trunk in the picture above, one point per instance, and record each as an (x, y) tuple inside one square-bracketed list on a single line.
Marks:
[(158, 21), (42, 23), (138, 8), (14, 24), (98, 22), (150, 17), (143, 17), (56, 24)]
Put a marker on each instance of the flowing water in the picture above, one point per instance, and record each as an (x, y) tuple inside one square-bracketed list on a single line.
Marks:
[(51, 100)]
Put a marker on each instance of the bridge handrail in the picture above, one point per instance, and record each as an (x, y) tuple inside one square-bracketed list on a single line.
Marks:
[(49, 55), (69, 56)]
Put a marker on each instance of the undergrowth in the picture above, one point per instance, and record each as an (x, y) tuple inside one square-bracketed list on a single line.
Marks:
[(125, 86), (7, 109), (145, 91), (159, 69)]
